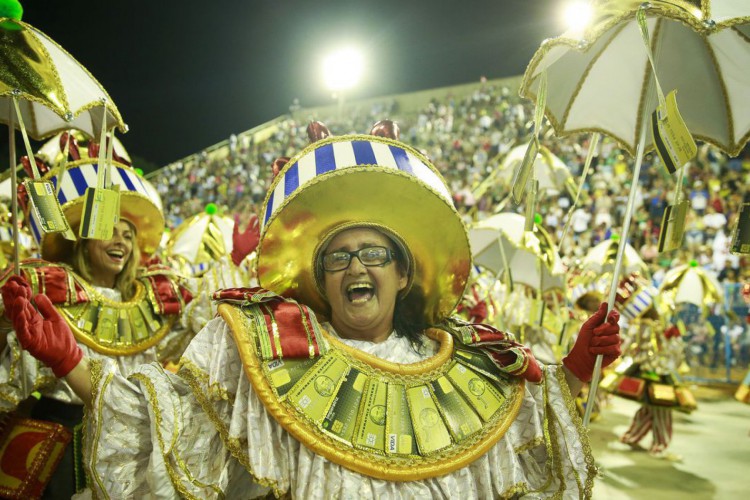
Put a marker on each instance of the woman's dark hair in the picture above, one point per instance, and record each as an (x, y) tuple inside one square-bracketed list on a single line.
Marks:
[(408, 313), (408, 316)]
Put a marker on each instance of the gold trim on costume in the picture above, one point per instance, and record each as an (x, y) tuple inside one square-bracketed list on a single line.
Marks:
[(116, 328), (96, 377), (195, 378), (170, 452), (385, 420), (570, 404)]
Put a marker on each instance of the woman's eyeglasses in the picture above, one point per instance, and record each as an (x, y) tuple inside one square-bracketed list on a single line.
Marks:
[(369, 256)]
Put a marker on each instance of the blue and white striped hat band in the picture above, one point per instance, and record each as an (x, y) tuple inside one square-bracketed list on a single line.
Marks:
[(363, 180), (139, 203), (588, 285), (332, 154), (635, 295), (639, 303)]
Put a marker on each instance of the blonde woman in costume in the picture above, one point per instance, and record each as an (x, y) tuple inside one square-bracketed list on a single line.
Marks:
[(355, 381), (116, 309)]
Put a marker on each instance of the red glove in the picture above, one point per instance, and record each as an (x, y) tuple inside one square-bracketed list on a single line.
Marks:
[(478, 313), (243, 244), (45, 334), (596, 337), (16, 286)]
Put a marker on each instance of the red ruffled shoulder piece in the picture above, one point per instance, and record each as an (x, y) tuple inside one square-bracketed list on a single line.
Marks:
[(510, 356), (170, 295), (291, 321), (54, 280)]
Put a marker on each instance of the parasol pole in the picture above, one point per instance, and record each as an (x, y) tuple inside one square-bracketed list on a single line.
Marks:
[(63, 162), (533, 187), (618, 263), (14, 222), (13, 188)]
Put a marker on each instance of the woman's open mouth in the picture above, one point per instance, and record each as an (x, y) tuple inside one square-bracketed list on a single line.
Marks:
[(116, 255), (360, 292)]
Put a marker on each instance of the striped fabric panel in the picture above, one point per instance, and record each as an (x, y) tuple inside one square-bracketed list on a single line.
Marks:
[(346, 154), (77, 179), (640, 303)]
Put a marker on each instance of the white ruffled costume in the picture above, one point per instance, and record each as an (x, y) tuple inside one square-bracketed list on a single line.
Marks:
[(204, 433)]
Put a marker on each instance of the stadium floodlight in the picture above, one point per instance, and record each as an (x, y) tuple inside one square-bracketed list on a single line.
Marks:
[(578, 15), (343, 69)]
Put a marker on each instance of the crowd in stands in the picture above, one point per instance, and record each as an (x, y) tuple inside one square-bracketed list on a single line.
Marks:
[(466, 137)]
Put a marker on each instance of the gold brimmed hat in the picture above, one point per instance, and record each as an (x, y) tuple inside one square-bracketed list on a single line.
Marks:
[(139, 201), (345, 181)]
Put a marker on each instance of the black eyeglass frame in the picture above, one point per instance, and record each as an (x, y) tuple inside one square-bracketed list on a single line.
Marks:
[(388, 256)]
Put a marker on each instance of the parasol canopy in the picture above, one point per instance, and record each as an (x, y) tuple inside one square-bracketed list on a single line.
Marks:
[(501, 245), (599, 81), (201, 239), (690, 284), (54, 91), (601, 259), (551, 172)]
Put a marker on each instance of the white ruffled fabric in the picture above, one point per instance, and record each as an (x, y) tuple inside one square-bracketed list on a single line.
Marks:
[(222, 274), (204, 433)]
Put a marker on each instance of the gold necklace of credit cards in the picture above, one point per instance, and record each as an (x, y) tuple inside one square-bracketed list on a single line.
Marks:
[(385, 420), (118, 328)]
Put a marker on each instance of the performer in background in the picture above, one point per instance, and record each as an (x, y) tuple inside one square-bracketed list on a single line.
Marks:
[(345, 376), (648, 373)]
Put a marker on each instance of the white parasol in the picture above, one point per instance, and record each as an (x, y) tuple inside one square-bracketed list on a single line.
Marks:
[(602, 81), (601, 258), (501, 245), (690, 284), (551, 172)]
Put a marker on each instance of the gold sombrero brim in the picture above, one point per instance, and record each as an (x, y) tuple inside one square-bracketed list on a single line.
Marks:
[(427, 223), (134, 207)]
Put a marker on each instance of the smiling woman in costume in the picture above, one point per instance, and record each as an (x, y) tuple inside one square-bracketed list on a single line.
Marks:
[(114, 308), (344, 376)]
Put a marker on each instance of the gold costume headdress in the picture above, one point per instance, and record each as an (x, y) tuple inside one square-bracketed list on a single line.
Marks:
[(344, 181), (139, 201)]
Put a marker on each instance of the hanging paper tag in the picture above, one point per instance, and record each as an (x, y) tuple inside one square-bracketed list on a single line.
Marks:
[(673, 226), (100, 213), (521, 175), (46, 206), (672, 139), (741, 236)]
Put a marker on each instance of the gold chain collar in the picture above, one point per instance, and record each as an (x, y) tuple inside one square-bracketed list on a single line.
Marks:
[(385, 420), (117, 328)]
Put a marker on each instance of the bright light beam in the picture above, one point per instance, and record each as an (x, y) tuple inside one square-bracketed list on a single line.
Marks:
[(577, 16), (343, 69)]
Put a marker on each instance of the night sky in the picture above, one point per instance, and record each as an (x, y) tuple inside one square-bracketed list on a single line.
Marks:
[(187, 74)]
